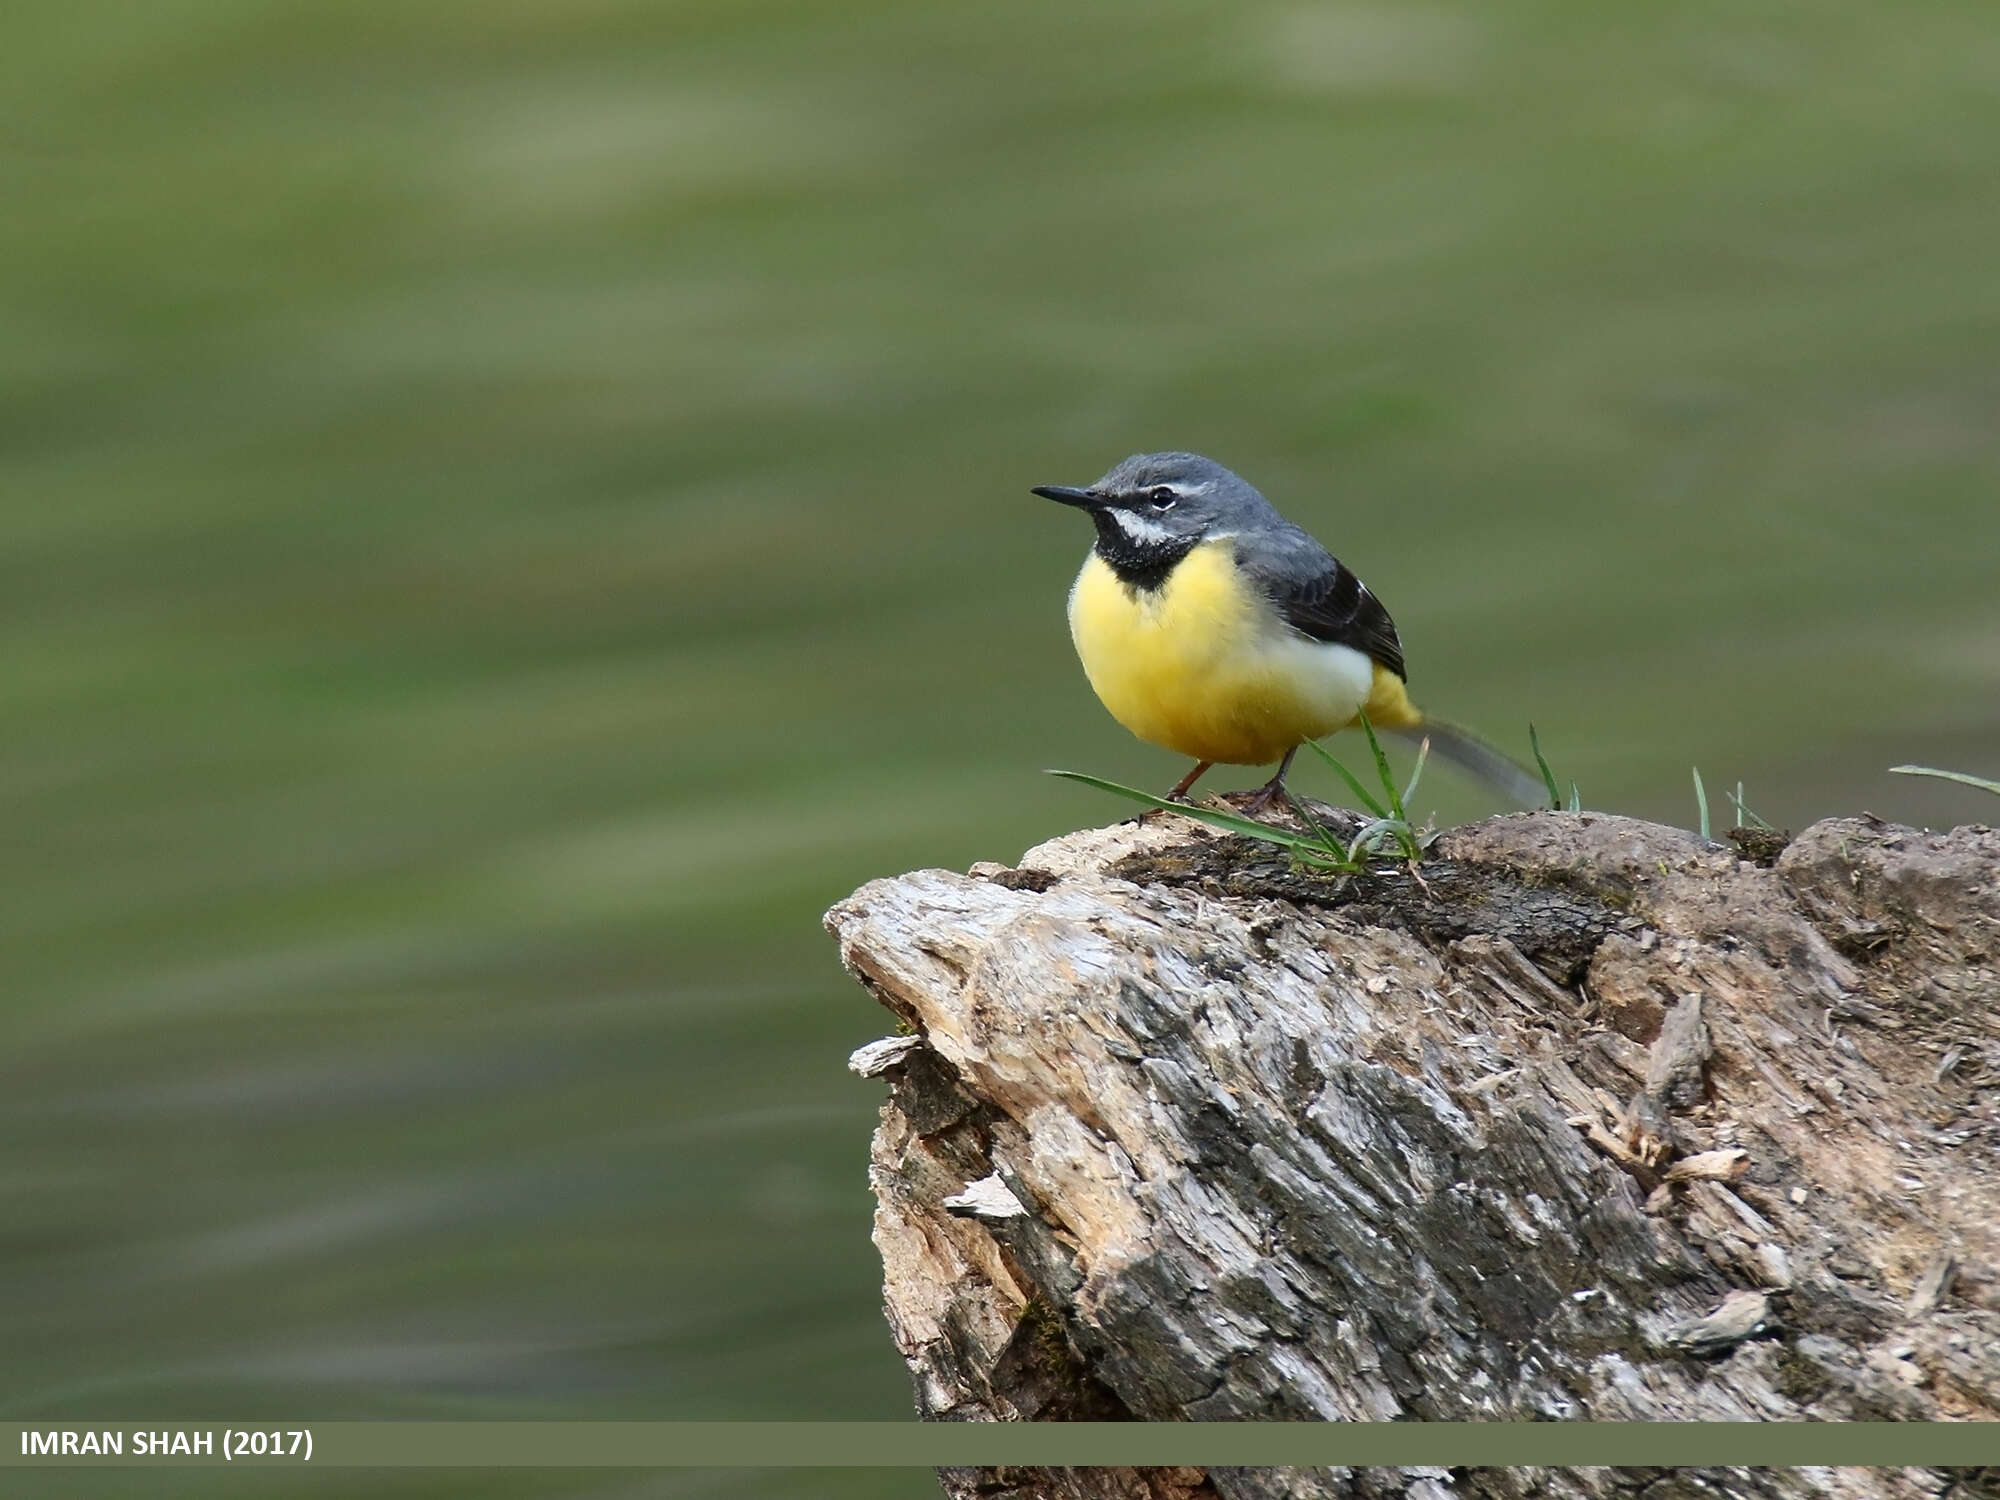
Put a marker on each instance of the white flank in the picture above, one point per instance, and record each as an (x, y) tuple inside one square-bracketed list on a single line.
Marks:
[(1340, 677)]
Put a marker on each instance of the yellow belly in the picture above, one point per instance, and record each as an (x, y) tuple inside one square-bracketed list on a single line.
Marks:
[(1203, 667)]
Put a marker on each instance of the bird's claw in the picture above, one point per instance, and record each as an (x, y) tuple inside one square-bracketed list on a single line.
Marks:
[(1264, 799)]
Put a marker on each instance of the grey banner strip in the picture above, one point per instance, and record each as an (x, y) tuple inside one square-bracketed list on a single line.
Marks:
[(900, 1444)]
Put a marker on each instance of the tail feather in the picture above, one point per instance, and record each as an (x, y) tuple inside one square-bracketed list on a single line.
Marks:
[(1490, 764)]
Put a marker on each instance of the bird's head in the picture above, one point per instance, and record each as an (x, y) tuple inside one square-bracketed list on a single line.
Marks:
[(1156, 504)]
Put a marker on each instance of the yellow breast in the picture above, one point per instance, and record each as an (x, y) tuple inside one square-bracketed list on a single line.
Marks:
[(1206, 667)]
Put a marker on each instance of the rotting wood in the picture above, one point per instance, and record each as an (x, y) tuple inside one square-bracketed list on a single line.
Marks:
[(1608, 1122)]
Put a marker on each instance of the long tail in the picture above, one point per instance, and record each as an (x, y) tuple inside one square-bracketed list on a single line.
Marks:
[(1490, 764), (1389, 707)]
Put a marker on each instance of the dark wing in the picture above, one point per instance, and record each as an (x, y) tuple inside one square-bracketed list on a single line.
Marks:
[(1319, 596)]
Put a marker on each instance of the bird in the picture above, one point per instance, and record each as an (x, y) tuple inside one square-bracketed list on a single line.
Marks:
[(1209, 624)]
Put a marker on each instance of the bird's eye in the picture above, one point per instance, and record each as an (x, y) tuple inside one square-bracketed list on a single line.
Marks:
[(1162, 498)]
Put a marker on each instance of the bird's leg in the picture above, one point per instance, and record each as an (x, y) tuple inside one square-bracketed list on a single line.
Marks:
[(1273, 791), (1180, 791), (1178, 794)]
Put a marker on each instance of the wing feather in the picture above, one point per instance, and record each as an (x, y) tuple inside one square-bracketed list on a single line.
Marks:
[(1319, 595)]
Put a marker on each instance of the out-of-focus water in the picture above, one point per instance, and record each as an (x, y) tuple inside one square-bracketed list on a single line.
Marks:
[(509, 509)]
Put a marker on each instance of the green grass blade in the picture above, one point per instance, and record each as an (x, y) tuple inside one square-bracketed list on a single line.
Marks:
[(1575, 798), (1235, 822), (1701, 801), (1382, 770), (1353, 784), (1548, 776), (1395, 827), (1960, 777), (1318, 828), (1743, 812), (1423, 755), (1310, 849)]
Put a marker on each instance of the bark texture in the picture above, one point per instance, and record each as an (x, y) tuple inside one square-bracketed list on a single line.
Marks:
[(1595, 1120)]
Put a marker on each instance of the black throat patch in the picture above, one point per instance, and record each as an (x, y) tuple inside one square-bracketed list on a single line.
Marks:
[(1139, 565)]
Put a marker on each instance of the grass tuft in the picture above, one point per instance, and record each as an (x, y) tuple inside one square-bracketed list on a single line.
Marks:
[(1701, 803), (1319, 851), (1389, 831), (1542, 764), (1556, 803)]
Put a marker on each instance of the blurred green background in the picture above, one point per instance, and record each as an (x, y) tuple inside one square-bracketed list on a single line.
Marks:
[(508, 508)]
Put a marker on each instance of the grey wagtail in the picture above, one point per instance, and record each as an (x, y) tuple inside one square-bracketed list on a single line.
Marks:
[(1211, 625)]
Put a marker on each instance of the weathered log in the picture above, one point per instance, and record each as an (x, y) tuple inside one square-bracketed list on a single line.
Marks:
[(1587, 1119)]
